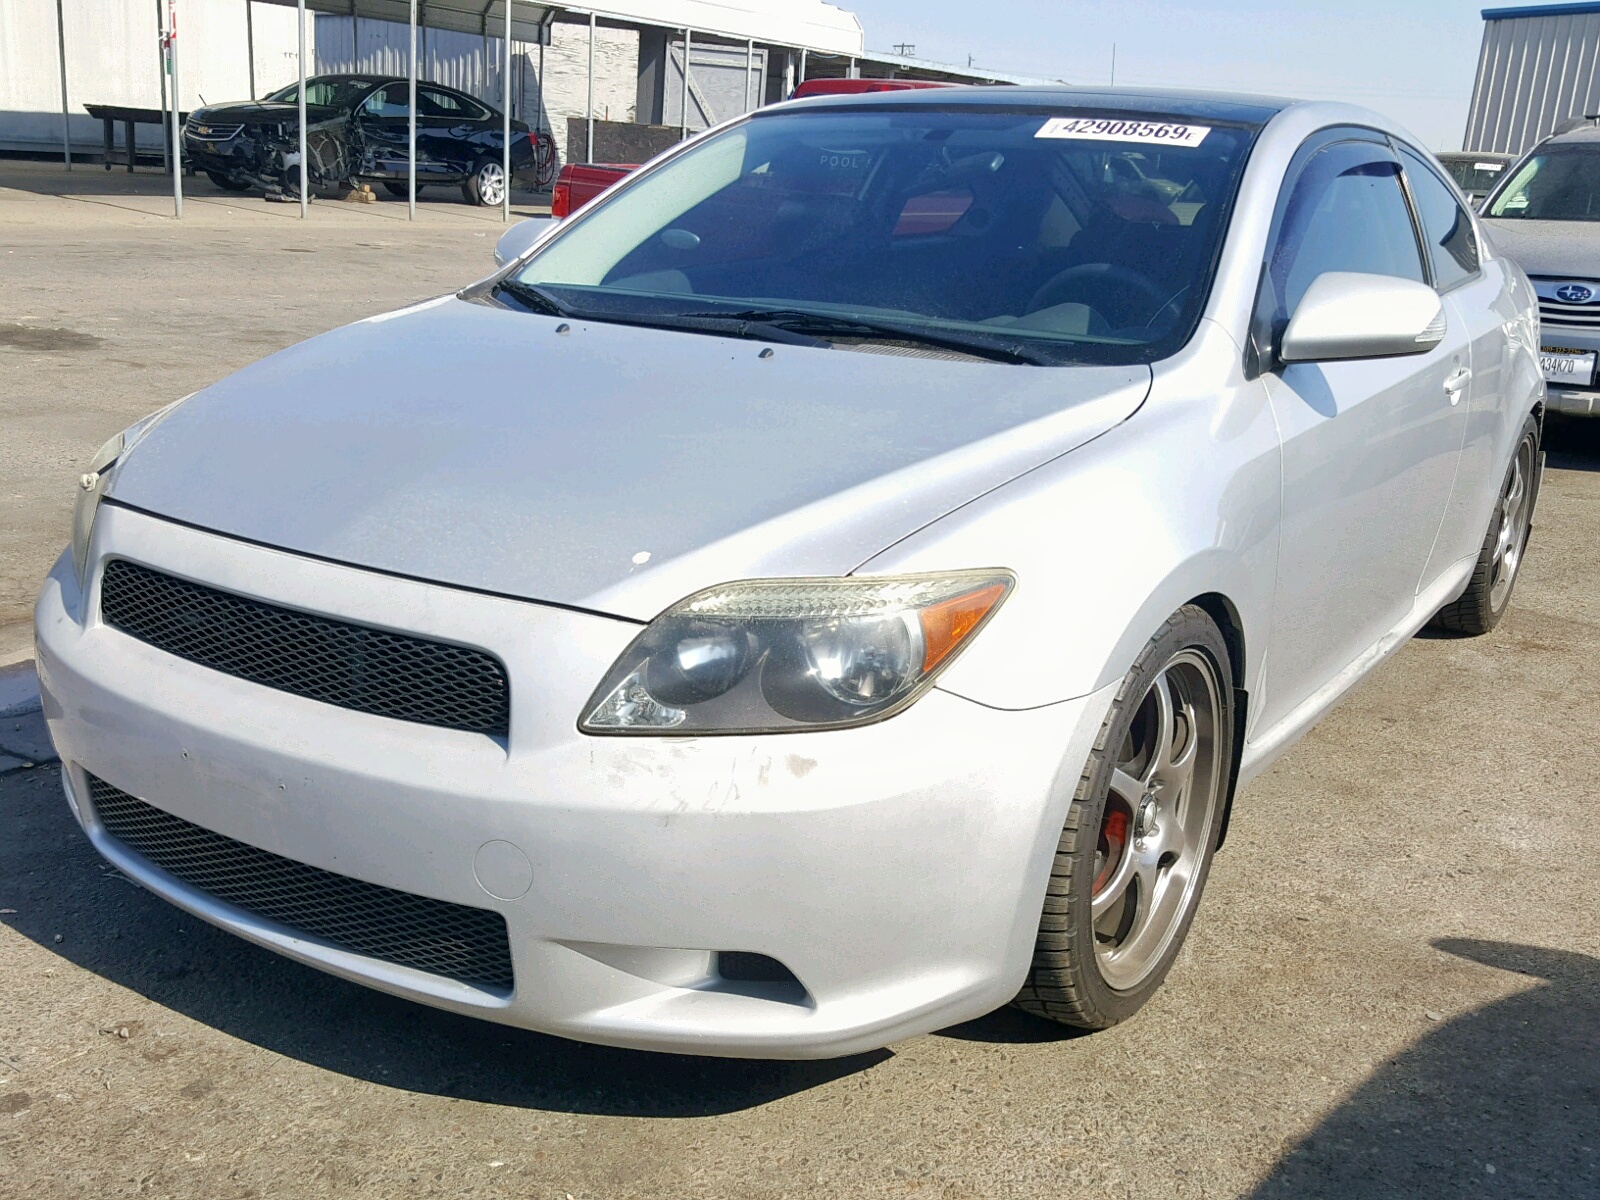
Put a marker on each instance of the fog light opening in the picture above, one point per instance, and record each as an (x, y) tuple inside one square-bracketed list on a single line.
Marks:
[(759, 975)]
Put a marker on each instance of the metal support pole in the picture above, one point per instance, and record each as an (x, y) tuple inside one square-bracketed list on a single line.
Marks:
[(250, 42), (305, 198), (749, 66), (61, 45), (803, 53), (683, 103), (161, 73), (588, 155), (411, 127), (855, 71), (355, 38), (177, 111), (505, 110), (538, 116)]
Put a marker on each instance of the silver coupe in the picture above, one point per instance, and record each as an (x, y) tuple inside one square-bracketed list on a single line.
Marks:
[(831, 587)]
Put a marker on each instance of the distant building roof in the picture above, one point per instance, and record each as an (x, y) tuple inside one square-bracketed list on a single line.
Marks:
[(1542, 10)]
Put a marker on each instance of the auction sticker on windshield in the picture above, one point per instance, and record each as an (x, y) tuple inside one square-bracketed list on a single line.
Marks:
[(1114, 129)]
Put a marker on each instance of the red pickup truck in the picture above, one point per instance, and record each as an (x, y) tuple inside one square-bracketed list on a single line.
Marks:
[(580, 183)]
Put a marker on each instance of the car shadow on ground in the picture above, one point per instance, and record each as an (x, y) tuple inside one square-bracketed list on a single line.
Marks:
[(1572, 443), (1504, 1101), (58, 884), (1012, 1026)]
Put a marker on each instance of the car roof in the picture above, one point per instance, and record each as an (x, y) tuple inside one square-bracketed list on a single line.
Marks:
[(1581, 133), (1474, 156), (354, 77), (1191, 105)]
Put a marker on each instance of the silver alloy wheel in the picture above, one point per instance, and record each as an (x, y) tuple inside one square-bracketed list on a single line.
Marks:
[(491, 183), (1515, 519), (1166, 789)]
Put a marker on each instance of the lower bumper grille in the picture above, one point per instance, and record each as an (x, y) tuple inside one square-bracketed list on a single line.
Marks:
[(459, 942)]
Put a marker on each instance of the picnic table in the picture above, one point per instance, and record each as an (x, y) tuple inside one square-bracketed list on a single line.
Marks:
[(110, 115)]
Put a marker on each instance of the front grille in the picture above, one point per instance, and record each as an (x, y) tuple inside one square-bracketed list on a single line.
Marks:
[(353, 666), (453, 940), (1573, 316), (213, 133)]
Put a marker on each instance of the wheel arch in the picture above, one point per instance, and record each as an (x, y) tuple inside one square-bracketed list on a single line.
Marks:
[(1218, 604), (1226, 615)]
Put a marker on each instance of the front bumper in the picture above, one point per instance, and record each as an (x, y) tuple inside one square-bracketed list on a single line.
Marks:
[(1562, 397), (235, 154), (897, 870)]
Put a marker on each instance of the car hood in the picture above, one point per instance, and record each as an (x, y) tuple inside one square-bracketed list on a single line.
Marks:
[(607, 467), (1553, 249), (248, 111)]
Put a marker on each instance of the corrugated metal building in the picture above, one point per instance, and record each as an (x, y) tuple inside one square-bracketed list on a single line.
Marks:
[(1540, 67)]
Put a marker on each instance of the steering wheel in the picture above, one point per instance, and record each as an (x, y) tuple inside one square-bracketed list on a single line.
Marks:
[(1102, 287)]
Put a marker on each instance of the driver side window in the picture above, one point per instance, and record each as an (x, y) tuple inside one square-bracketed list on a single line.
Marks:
[(1347, 212)]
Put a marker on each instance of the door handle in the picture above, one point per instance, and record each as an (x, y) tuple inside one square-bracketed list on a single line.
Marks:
[(1457, 383)]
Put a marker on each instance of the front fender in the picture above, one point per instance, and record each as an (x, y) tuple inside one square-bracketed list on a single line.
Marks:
[(1179, 501)]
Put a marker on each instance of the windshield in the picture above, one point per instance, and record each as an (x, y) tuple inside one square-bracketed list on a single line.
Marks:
[(1559, 183), (1080, 240), (334, 93), (1475, 176)]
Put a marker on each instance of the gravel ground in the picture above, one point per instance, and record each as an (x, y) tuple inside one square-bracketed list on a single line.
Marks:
[(1392, 989)]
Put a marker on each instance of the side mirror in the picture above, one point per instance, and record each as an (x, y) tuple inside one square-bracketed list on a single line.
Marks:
[(515, 241), (1345, 315)]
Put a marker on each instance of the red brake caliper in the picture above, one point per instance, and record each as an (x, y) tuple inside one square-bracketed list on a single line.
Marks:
[(1113, 842)]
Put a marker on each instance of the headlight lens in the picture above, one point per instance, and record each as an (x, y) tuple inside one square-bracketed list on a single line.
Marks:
[(774, 655), (92, 484)]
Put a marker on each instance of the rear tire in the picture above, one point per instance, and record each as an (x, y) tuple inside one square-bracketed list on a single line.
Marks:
[(1488, 594), (228, 183), (1140, 833), (487, 183)]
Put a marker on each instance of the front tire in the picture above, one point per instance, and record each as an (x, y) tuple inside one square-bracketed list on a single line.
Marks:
[(487, 183), (1139, 837), (1488, 593)]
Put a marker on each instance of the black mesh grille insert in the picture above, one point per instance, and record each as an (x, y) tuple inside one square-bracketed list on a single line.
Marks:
[(453, 940), (353, 666)]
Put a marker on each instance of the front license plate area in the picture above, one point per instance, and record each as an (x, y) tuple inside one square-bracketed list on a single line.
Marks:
[(1570, 368)]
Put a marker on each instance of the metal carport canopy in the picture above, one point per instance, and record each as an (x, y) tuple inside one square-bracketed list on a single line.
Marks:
[(528, 23), (797, 24), (801, 24), (461, 16)]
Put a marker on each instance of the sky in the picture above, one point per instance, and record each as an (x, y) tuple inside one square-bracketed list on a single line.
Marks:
[(1413, 60)]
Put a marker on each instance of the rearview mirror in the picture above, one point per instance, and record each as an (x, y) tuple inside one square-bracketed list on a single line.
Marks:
[(514, 242), (1345, 315)]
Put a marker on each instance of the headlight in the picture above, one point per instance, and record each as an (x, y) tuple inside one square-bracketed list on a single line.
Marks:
[(776, 655), (92, 484)]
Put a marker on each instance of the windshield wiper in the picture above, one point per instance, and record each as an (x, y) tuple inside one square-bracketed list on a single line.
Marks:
[(822, 325), (537, 299), (541, 301)]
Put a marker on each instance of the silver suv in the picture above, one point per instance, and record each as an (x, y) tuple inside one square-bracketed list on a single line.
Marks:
[(1546, 216)]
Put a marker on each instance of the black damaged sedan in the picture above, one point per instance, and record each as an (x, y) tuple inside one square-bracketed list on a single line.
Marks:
[(357, 129)]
